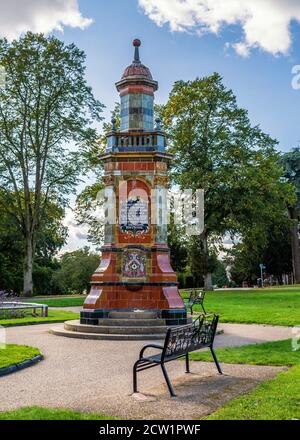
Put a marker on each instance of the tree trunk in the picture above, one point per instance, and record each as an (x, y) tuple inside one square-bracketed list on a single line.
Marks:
[(208, 282), (28, 268), (295, 245)]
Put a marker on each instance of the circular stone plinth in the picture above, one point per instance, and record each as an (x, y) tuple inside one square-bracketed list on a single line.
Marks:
[(73, 329)]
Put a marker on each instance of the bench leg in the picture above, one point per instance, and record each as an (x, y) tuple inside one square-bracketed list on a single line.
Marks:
[(216, 360), (135, 390), (187, 363), (203, 309), (168, 380)]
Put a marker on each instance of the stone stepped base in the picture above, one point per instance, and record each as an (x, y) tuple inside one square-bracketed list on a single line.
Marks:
[(120, 325), (120, 329), (83, 334), (132, 322), (106, 337), (142, 314)]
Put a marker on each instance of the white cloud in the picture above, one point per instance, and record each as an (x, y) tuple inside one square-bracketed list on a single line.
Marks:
[(265, 23), (18, 16), (77, 237)]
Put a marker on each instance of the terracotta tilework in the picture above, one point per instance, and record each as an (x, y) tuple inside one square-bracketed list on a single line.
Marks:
[(174, 300), (156, 264), (149, 297)]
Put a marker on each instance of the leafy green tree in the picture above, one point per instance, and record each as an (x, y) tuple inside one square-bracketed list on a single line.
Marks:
[(202, 261), (87, 202), (11, 261), (45, 104), (44, 278), (291, 164), (218, 150), (271, 247), (86, 213), (177, 242), (219, 275), (49, 240), (76, 270)]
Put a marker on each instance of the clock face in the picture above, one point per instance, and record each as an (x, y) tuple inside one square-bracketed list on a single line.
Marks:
[(134, 215)]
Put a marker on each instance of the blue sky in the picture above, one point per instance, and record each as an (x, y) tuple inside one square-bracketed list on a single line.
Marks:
[(253, 44), (261, 82)]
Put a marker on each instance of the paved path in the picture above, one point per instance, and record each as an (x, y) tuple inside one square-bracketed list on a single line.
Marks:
[(236, 334), (245, 334), (96, 376)]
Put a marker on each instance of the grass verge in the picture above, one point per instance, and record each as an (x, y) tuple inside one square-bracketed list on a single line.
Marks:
[(54, 316), (62, 302), (15, 354), (274, 306), (277, 353), (37, 413), (275, 399)]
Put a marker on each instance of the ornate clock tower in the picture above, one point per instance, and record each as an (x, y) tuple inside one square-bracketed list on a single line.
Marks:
[(135, 272)]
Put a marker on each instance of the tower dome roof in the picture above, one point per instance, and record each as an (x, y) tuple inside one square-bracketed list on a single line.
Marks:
[(136, 68)]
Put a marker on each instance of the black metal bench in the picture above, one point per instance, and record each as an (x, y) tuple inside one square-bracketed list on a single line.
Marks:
[(179, 342), (196, 296)]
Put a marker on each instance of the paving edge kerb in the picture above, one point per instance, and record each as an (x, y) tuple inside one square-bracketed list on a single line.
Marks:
[(21, 365)]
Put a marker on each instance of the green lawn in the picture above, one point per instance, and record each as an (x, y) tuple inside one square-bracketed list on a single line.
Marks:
[(61, 302), (274, 306), (15, 354), (277, 353), (36, 413), (276, 399), (54, 316)]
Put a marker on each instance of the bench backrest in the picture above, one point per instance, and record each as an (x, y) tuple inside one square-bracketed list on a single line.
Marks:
[(196, 296), (199, 296), (178, 340), (204, 332), (190, 337)]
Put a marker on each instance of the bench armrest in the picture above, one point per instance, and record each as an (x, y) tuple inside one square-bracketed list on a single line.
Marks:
[(159, 347)]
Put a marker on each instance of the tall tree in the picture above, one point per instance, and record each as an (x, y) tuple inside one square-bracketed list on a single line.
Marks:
[(11, 258), (291, 163), (218, 150), (49, 240), (76, 270), (270, 245), (87, 204), (219, 275), (177, 242), (45, 104)]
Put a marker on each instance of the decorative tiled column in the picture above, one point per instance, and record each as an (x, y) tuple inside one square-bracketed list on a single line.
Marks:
[(135, 271)]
